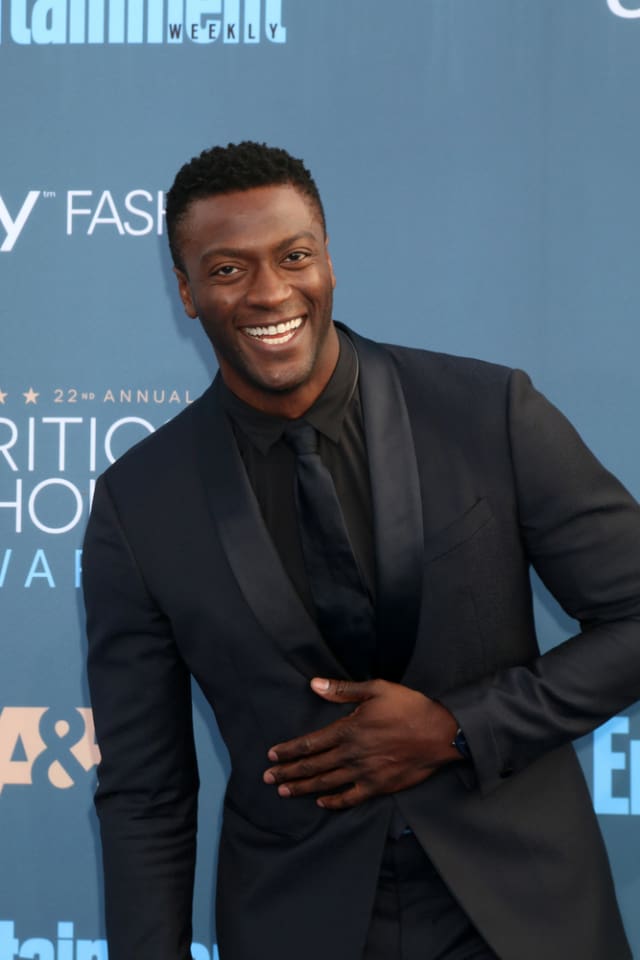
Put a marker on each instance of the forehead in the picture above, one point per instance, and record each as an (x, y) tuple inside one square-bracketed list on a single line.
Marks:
[(249, 217)]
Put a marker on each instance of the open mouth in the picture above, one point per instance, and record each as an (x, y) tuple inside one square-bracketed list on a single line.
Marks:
[(274, 332)]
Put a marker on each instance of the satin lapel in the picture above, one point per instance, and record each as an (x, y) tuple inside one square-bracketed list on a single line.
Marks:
[(250, 551), (397, 506)]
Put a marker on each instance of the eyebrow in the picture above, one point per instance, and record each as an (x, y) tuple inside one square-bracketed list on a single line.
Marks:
[(241, 252)]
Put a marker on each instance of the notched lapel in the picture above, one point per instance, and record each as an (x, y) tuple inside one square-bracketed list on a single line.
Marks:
[(397, 506), (250, 551)]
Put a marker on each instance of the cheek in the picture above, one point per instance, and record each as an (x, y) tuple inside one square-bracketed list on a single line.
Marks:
[(216, 309)]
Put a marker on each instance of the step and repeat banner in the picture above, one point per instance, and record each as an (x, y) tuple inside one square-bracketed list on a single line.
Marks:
[(479, 164)]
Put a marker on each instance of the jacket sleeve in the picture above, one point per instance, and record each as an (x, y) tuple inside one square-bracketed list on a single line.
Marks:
[(147, 794), (581, 531)]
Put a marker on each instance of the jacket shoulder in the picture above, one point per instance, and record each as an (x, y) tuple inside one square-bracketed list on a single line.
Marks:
[(471, 389), (466, 371)]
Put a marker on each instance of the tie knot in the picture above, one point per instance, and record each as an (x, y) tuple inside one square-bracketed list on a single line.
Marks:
[(301, 437)]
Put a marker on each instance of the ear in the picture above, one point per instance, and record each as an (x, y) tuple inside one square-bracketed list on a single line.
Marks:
[(330, 262), (184, 289)]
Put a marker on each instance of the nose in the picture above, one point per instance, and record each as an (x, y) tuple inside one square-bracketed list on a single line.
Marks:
[(268, 287)]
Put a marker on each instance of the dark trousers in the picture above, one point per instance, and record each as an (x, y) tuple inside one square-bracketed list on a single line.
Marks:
[(415, 917)]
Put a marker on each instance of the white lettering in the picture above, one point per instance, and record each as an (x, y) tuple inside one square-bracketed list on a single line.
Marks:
[(39, 449), (14, 228), (55, 482), (616, 794), (4, 447), (96, 21), (155, 31), (106, 200), (49, 21), (199, 17), (92, 444), (63, 947), (138, 212), (108, 440), (273, 18), (77, 21), (30, 566), (135, 21), (20, 32), (31, 445), (161, 213), (230, 29), (16, 505), (629, 14), (5, 565), (156, 22), (9, 945), (76, 212), (39, 569), (252, 21), (38, 948), (62, 436), (106, 211), (116, 21)]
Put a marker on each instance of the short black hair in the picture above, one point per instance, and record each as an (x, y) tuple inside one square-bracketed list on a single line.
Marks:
[(238, 166)]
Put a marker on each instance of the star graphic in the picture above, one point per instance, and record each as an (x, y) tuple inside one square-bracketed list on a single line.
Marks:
[(3, 396), (30, 396)]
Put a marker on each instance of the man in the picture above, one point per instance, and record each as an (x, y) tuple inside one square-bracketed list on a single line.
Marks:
[(404, 788)]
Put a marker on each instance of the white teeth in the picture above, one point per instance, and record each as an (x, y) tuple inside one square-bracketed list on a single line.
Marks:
[(283, 339), (287, 328)]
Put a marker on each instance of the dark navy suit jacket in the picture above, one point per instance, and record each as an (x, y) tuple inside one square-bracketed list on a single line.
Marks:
[(475, 477)]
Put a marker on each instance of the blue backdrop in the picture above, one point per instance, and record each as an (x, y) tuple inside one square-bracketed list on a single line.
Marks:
[(479, 164)]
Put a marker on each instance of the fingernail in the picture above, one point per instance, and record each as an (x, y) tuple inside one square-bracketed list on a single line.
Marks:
[(319, 684), (284, 791), (273, 756), (269, 777)]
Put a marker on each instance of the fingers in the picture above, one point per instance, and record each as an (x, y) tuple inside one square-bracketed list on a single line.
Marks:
[(324, 783), (306, 768), (394, 738), (323, 775), (349, 793), (344, 691), (338, 691), (309, 745), (348, 798)]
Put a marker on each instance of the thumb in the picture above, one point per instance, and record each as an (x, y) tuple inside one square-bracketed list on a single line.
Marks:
[(342, 691)]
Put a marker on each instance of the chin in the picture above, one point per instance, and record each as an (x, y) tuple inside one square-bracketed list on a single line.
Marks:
[(284, 382), (280, 388)]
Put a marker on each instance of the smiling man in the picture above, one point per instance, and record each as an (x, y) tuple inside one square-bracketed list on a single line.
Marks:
[(254, 267), (335, 541)]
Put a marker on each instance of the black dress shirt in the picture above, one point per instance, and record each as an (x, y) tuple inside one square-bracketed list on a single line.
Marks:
[(270, 465)]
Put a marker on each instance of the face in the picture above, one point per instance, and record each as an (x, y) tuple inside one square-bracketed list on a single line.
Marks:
[(258, 275)]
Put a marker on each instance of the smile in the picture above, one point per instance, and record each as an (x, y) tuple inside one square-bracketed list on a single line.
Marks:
[(275, 332)]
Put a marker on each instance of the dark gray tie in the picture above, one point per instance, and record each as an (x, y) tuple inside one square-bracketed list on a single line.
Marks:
[(343, 606)]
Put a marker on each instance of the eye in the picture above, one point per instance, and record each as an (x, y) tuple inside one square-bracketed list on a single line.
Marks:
[(296, 256), (226, 270)]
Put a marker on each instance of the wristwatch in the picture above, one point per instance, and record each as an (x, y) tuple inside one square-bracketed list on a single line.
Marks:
[(461, 745)]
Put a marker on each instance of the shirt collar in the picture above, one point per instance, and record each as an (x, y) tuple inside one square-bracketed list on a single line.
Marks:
[(326, 414)]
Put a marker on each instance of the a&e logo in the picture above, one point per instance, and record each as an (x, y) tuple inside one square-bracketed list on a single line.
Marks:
[(38, 745)]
